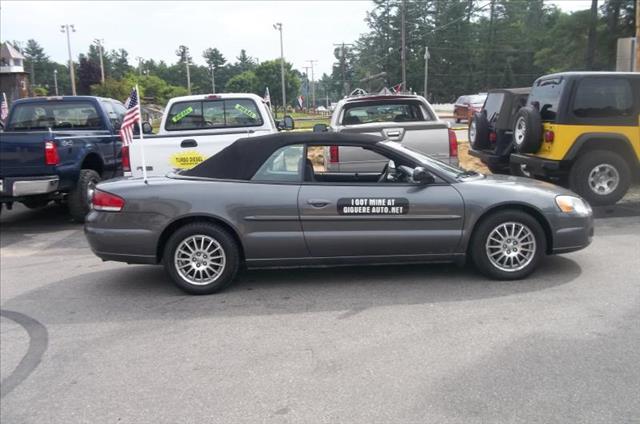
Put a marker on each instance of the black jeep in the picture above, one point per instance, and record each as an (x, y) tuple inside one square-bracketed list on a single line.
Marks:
[(491, 129)]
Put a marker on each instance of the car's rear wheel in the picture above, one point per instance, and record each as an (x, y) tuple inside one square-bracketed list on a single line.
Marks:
[(201, 258), (600, 176), (508, 245), (479, 131), (79, 199)]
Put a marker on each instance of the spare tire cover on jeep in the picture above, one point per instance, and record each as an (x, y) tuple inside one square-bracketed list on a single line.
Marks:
[(479, 131), (527, 130)]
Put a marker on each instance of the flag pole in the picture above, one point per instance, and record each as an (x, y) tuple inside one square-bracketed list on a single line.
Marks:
[(144, 162)]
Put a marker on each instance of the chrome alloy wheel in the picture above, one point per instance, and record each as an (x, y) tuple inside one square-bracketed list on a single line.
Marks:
[(511, 246), (519, 131), (604, 179), (199, 260)]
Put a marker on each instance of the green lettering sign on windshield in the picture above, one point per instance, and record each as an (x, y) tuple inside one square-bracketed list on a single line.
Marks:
[(182, 114), (246, 111)]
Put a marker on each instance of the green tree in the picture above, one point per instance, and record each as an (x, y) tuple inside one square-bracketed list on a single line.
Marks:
[(268, 74), (37, 62), (118, 63), (246, 82), (214, 58), (88, 75)]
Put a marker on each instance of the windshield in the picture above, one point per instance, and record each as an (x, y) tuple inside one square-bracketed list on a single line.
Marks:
[(450, 170), (55, 115), (397, 111), (477, 99)]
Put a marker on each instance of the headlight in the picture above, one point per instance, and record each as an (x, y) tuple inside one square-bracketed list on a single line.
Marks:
[(573, 205)]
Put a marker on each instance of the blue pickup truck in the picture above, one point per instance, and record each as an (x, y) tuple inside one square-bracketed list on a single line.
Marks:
[(58, 149)]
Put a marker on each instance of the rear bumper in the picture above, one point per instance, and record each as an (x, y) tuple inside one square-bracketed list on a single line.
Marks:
[(539, 166), (120, 237), (13, 189), (490, 158)]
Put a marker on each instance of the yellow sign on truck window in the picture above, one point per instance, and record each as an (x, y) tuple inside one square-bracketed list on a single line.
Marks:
[(186, 160)]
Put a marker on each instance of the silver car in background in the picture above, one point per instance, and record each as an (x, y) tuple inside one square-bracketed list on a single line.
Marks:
[(406, 119)]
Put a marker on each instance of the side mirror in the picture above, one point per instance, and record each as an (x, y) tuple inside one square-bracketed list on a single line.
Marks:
[(422, 176), (146, 128), (320, 128), (287, 122)]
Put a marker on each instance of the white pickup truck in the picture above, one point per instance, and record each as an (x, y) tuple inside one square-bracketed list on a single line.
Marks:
[(405, 118), (194, 128)]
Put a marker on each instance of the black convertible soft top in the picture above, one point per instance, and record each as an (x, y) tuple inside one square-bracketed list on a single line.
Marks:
[(241, 159)]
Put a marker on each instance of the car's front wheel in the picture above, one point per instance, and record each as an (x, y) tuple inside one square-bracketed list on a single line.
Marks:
[(201, 258), (508, 245)]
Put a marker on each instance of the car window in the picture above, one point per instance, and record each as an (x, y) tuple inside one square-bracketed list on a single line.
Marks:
[(492, 105), (382, 112), (114, 112), (204, 114), (545, 96), (283, 165), (55, 115), (603, 98)]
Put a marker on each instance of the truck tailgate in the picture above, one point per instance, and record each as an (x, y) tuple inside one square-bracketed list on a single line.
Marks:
[(22, 154), (431, 138), (167, 153)]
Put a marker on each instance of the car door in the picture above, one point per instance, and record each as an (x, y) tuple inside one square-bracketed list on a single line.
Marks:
[(380, 218)]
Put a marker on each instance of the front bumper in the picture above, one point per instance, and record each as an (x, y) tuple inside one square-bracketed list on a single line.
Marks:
[(17, 188), (571, 233)]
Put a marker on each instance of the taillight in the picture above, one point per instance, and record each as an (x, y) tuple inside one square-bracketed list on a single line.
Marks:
[(51, 156), (493, 137), (334, 154), (107, 202), (126, 163), (453, 144), (549, 136)]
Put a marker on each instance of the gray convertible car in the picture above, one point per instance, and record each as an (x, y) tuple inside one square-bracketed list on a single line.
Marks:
[(267, 201)]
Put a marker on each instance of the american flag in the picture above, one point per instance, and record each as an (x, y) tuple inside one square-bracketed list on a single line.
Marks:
[(4, 108), (130, 118), (267, 97)]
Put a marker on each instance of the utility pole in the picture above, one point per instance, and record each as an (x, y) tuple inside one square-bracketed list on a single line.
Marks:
[(213, 80), (343, 65), (306, 94), (426, 71), (186, 62), (637, 68), (139, 59), (313, 84), (55, 80), (66, 28), (99, 43), (403, 54), (278, 27)]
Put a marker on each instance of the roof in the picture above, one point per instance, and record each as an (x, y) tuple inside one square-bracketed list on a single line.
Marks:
[(197, 97), (9, 52), (590, 73), (241, 159), (519, 90)]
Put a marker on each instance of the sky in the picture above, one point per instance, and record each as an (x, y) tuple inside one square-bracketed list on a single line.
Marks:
[(154, 29)]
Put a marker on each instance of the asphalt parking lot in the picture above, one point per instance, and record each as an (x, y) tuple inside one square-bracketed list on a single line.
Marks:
[(84, 341)]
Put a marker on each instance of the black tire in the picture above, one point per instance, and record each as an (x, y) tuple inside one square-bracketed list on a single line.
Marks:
[(478, 245), (527, 130), (226, 242), (78, 199), (35, 203), (480, 138), (580, 179)]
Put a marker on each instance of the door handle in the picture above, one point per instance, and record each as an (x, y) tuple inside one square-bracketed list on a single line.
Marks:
[(318, 203), (189, 143), (393, 133)]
